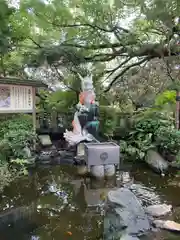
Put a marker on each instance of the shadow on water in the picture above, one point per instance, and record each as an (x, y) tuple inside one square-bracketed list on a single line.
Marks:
[(44, 205)]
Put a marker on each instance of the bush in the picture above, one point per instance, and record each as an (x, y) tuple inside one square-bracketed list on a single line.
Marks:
[(144, 129), (151, 129), (168, 141), (16, 132), (5, 176)]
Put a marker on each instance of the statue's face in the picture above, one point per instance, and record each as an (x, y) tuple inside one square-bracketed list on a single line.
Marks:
[(88, 78)]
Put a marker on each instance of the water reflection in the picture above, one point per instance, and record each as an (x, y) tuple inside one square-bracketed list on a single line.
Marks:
[(53, 203), (57, 212)]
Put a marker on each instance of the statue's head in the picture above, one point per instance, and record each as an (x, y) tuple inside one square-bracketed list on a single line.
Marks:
[(86, 82)]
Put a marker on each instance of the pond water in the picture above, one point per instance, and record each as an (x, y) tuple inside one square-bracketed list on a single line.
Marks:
[(45, 205)]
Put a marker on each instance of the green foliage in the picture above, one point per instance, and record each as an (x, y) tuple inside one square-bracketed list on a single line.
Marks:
[(69, 56), (62, 101), (108, 118), (8, 173), (66, 34), (15, 123), (168, 139), (167, 97), (6, 33), (75, 32), (70, 33), (5, 176), (11, 35), (59, 101), (139, 131), (19, 165), (16, 133), (151, 129), (114, 122)]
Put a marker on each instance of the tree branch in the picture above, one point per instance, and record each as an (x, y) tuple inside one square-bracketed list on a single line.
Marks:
[(169, 71), (116, 68), (103, 57), (37, 44), (125, 70), (60, 77), (93, 46), (73, 25), (121, 29), (83, 25)]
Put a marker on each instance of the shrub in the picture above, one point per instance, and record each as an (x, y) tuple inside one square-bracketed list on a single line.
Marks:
[(168, 140), (5, 176), (151, 129), (16, 132)]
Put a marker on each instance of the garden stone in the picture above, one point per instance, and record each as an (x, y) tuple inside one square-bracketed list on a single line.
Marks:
[(45, 140), (44, 157), (82, 170), (158, 210), (146, 195), (175, 165), (27, 152), (168, 225), (129, 211), (156, 162), (128, 237), (62, 153)]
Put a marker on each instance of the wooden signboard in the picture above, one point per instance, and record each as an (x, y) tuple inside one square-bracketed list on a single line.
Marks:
[(16, 99)]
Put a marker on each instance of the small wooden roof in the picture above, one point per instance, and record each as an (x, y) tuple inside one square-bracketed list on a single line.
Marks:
[(22, 81)]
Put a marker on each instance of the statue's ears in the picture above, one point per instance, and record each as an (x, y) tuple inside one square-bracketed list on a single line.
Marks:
[(81, 78)]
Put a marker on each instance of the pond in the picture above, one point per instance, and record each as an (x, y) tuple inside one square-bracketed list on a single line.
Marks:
[(47, 204)]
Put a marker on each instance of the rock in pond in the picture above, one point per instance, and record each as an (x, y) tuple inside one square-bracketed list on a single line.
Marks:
[(128, 237), (27, 152), (156, 162), (146, 195), (158, 210), (129, 211), (175, 164), (168, 225)]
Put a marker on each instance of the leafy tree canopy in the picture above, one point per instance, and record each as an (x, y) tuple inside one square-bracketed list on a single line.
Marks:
[(118, 34)]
